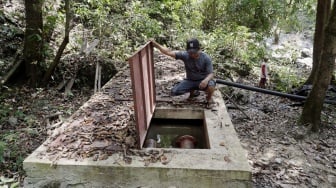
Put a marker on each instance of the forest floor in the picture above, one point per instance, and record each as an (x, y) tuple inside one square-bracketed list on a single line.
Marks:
[(26, 117), (280, 153)]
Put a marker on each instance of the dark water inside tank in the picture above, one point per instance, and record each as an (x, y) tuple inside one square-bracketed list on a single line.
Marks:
[(171, 129)]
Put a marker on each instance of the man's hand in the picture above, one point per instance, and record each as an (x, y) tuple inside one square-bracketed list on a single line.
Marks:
[(155, 44), (163, 49), (206, 80), (203, 84)]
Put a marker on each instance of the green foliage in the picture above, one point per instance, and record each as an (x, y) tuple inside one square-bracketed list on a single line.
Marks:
[(8, 182), (50, 16), (12, 149), (10, 31), (4, 112), (126, 30), (258, 15), (19, 114), (212, 11), (11, 137), (231, 31), (101, 20), (238, 49), (2, 16), (2, 150), (285, 79), (144, 22)]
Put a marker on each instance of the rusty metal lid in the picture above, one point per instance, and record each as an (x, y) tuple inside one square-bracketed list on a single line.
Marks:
[(143, 85)]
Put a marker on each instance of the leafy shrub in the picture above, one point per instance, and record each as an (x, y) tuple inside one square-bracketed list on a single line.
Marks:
[(2, 150), (284, 79), (234, 48)]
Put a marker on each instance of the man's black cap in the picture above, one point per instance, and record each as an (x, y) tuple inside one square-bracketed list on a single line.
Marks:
[(193, 45)]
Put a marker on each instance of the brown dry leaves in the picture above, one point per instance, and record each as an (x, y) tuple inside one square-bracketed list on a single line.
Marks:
[(102, 126), (280, 152)]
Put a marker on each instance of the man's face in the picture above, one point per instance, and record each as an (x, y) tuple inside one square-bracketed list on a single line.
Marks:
[(194, 55)]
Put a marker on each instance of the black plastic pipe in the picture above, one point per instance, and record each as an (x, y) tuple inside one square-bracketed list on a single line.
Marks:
[(266, 91)]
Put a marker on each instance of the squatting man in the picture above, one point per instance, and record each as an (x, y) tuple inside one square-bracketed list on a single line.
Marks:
[(198, 67)]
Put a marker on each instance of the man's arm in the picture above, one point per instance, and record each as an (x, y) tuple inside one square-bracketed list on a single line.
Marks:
[(164, 50), (205, 81)]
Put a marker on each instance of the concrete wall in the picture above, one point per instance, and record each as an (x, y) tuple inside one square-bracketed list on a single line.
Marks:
[(105, 176), (223, 165)]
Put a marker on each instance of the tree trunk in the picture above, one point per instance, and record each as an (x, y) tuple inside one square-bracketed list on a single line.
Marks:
[(311, 113), (60, 50), (33, 42), (322, 15)]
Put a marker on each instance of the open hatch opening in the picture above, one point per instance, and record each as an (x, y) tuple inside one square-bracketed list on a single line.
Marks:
[(177, 128)]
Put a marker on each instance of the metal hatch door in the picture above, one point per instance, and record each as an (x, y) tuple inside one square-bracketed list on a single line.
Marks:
[(143, 85)]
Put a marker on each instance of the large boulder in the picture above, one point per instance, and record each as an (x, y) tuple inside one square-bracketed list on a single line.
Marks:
[(306, 52), (305, 62)]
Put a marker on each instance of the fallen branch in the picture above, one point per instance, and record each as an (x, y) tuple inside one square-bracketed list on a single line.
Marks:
[(61, 85), (53, 115), (248, 117), (17, 64), (97, 84), (55, 125)]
